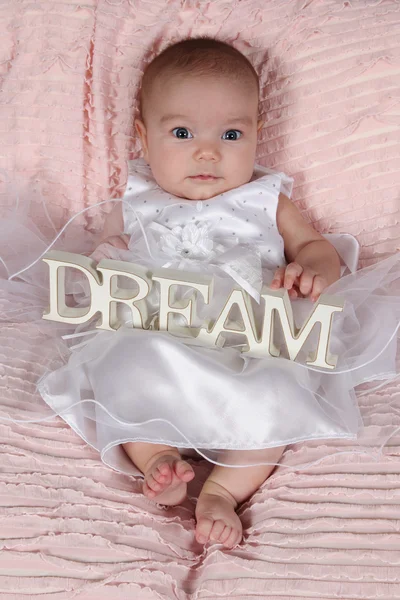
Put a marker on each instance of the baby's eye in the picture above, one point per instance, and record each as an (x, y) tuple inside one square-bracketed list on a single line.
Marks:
[(181, 133), (233, 134)]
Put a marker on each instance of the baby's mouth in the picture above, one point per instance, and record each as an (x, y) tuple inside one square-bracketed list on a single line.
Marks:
[(204, 177)]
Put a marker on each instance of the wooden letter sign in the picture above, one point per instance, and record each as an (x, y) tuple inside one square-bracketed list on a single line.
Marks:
[(105, 295)]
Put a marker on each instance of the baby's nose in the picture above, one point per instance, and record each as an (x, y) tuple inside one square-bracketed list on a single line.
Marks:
[(208, 152)]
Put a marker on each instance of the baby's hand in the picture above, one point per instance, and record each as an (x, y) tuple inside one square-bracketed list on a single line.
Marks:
[(118, 241), (105, 249), (299, 281)]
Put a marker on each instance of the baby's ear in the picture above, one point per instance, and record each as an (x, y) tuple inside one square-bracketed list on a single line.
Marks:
[(141, 130), (140, 126)]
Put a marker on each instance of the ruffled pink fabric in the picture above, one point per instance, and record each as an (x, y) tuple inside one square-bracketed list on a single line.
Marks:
[(330, 75)]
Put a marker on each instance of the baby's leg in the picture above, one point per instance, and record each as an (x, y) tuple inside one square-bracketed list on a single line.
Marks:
[(225, 488), (165, 473)]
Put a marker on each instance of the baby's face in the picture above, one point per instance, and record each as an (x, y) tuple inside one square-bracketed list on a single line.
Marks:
[(197, 126)]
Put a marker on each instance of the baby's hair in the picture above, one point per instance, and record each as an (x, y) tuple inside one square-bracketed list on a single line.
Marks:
[(199, 56)]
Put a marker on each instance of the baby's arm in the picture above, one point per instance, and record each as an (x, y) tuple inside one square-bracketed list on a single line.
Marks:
[(109, 244), (112, 235), (313, 263)]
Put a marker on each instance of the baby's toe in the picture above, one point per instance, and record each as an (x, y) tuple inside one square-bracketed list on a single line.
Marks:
[(225, 534), (153, 483), (148, 491), (164, 468), (233, 539), (184, 471), (163, 474), (203, 530), (217, 529)]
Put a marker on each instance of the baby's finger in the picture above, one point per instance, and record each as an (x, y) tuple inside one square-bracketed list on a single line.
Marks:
[(119, 241), (293, 270), (306, 281), (319, 285), (277, 281)]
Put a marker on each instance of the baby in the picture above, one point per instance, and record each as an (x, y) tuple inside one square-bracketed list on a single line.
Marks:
[(198, 129)]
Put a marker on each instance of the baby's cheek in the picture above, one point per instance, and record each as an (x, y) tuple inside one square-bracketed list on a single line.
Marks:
[(168, 173)]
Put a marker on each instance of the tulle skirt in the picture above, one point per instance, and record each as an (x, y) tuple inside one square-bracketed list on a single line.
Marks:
[(151, 386)]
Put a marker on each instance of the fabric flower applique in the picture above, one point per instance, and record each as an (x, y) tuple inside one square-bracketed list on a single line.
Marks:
[(191, 241)]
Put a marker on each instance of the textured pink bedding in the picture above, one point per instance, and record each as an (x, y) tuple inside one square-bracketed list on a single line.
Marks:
[(330, 74)]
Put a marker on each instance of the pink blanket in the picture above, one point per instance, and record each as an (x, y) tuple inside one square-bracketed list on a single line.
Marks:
[(330, 75)]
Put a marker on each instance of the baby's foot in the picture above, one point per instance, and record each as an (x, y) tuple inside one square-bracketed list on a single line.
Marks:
[(166, 478), (216, 517)]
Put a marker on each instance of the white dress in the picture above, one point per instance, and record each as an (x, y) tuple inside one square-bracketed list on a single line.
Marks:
[(151, 386)]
